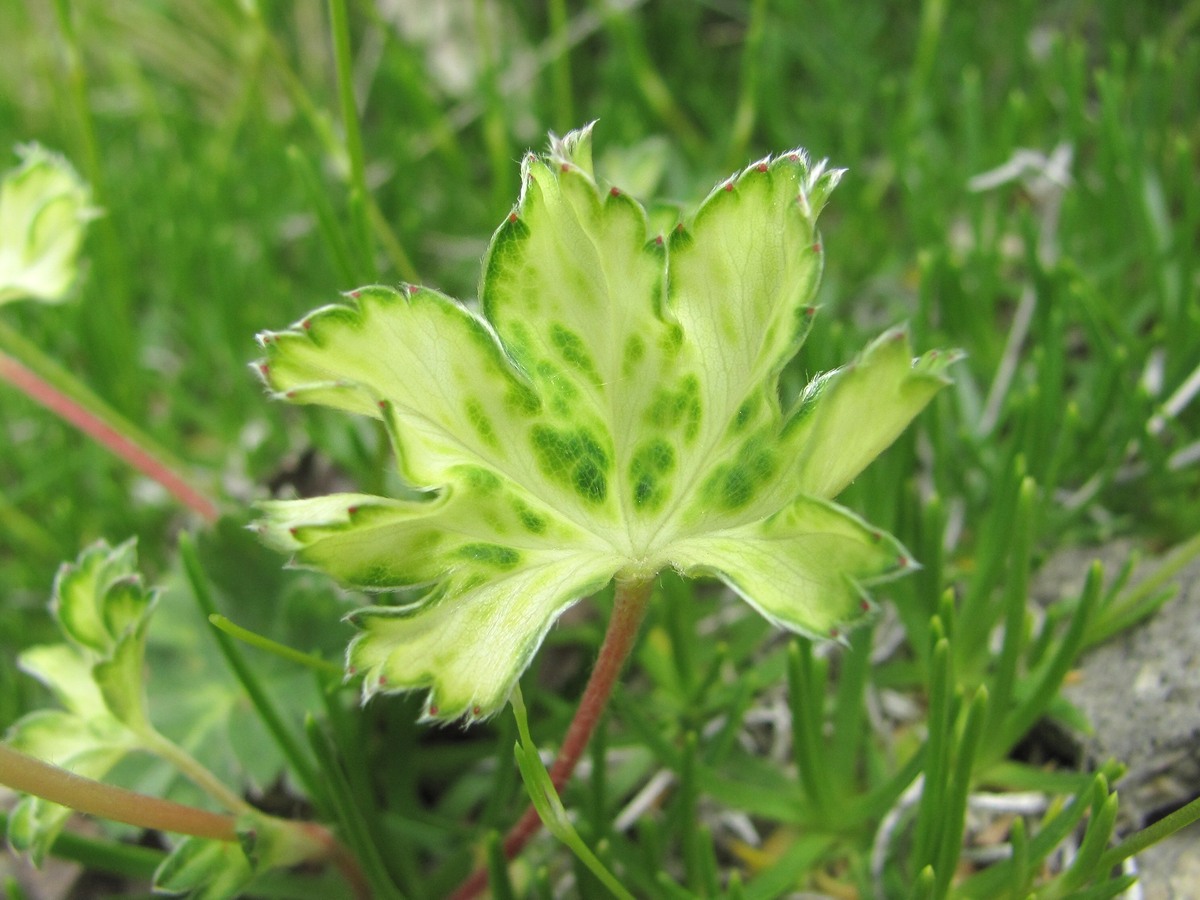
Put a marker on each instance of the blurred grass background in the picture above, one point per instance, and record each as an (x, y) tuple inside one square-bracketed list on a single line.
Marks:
[(210, 130), (1023, 183)]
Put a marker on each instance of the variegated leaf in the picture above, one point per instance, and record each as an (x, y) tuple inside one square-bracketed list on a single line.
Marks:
[(612, 410)]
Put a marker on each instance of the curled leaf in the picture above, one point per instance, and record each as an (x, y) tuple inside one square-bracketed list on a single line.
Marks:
[(44, 206), (102, 609)]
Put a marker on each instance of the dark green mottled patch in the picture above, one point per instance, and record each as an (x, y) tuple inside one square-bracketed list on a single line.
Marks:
[(733, 485), (634, 352), (492, 555), (573, 350), (745, 413), (671, 340), (481, 480), (533, 522), (521, 399), (482, 424), (573, 457), (678, 409), (505, 255), (559, 391), (648, 467)]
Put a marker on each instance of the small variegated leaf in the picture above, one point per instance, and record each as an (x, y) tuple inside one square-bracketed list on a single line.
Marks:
[(103, 611), (613, 410), (44, 206), (99, 597)]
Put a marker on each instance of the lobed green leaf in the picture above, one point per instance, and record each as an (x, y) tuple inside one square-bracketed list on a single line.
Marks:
[(612, 410)]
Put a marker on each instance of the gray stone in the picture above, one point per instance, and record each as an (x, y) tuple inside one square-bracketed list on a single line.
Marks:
[(1141, 693)]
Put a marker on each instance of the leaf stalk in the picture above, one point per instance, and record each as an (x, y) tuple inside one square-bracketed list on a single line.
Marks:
[(629, 609), (99, 427), (28, 775)]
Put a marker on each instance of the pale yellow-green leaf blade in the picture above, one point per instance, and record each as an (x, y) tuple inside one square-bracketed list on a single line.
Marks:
[(469, 646), (847, 417), (740, 283), (806, 568)]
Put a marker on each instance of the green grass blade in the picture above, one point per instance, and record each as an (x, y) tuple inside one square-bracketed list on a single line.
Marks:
[(244, 672)]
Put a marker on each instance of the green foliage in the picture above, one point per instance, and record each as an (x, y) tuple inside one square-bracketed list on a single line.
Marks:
[(102, 609), (1021, 184)]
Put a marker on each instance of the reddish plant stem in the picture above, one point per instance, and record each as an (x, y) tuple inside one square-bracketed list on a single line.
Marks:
[(341, 858), (36, 388), (629, 609), (32, 776)]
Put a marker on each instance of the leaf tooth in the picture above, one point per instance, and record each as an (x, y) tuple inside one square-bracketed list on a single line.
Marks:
[(680, 236), (797, 156)]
